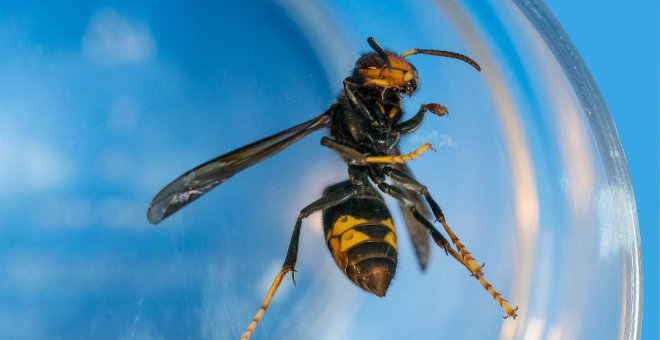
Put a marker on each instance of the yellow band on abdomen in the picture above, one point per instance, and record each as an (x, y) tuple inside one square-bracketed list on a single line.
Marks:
[(343, 235)]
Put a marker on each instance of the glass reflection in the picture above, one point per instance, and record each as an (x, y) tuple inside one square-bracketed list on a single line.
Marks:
[(102, 106)]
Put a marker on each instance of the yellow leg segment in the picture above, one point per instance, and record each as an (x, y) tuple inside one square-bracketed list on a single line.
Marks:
[(510, 312), (471, 264), (400, 158), (264, 306)]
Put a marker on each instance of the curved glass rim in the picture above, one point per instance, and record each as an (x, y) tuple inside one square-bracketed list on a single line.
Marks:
[(608, 143), (592, 103)]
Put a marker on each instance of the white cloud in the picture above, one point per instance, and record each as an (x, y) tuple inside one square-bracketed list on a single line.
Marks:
[(116, 212), (81, 212), (114, 40), (123, 115), (114, 165), (446, 140), (71, 212), (437, 139), (32, 166)]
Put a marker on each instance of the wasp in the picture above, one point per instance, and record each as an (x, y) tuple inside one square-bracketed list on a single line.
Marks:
[(365, 127)]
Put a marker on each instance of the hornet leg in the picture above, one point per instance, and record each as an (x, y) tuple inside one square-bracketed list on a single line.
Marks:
[(359, 105), (414, 122), (322, 203), (401, 196), (355, 157), (412, 184), (440, 240), (466, 258)]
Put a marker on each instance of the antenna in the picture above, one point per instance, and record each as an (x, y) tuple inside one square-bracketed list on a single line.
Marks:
[(372, 42), (441, 54)]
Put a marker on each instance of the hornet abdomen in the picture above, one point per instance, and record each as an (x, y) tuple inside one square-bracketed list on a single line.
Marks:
[(362, 238)]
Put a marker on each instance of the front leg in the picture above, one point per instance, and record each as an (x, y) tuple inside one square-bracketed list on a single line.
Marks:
[(414, 122)]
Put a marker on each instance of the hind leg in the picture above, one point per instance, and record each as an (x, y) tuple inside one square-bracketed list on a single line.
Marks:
[(289, 265), (465, 258), (410, 183)]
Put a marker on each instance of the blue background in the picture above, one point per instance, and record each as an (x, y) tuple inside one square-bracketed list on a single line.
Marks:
[(618, 40), (60, 222)]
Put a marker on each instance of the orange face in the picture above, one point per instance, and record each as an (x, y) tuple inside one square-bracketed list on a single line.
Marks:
[(399, 74)]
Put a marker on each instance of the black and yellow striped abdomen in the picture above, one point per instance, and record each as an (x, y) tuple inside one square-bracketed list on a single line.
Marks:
[(362, 239)]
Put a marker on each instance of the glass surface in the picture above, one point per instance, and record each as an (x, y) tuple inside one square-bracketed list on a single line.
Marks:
[(104, 105)]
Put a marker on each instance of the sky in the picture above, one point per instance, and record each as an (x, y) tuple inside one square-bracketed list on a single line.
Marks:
[(104, 103)]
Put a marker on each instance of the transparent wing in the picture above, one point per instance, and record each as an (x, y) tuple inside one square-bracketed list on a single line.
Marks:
[(198, 181), (418, 234)]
